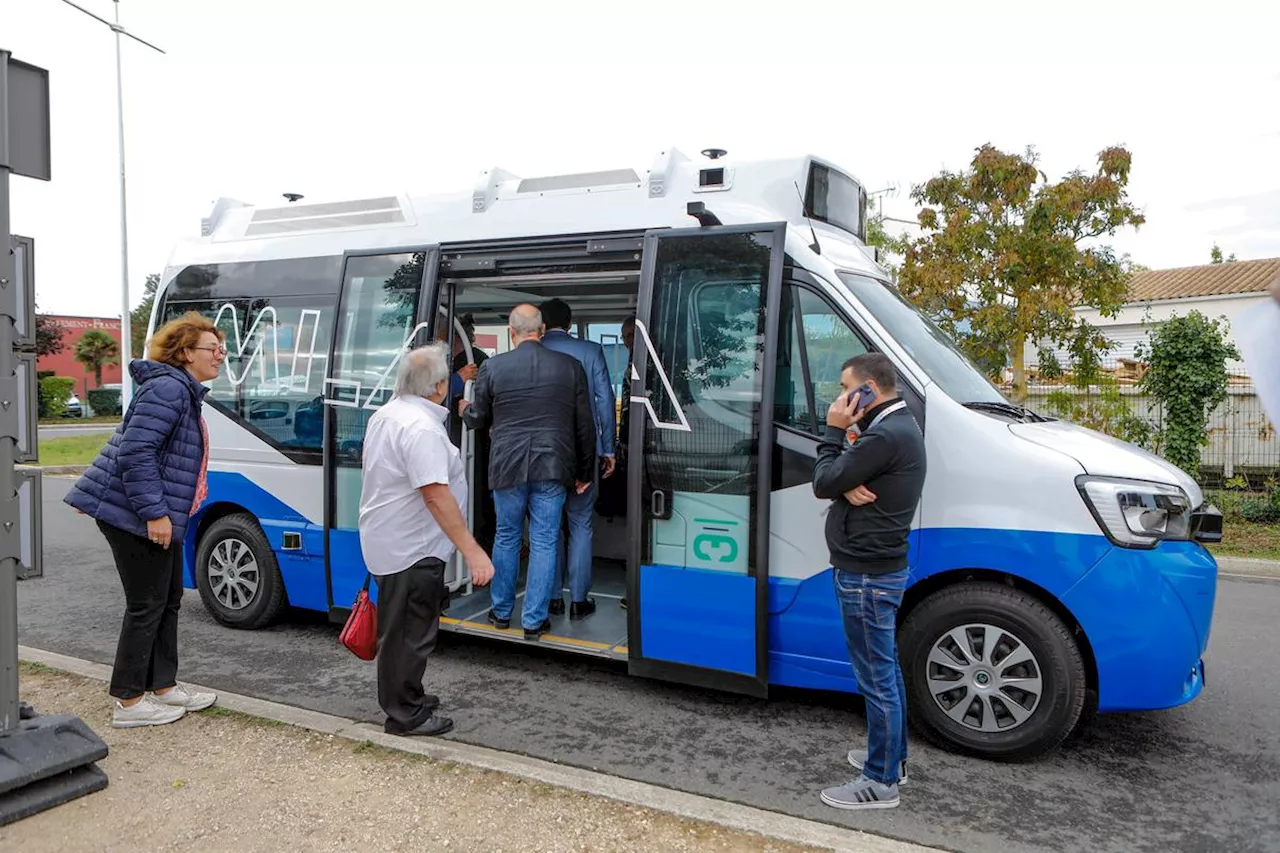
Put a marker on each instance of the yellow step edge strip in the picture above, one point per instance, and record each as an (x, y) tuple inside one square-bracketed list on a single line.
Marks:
[(494, 629)]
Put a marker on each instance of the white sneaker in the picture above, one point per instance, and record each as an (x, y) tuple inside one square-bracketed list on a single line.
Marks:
[(144, 712), (181, 697)]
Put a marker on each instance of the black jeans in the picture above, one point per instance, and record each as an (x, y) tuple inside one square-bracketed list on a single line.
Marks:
[(147, 652), (408, 622)]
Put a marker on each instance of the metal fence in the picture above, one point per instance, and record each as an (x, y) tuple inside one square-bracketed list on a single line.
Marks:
[(1243, 446)]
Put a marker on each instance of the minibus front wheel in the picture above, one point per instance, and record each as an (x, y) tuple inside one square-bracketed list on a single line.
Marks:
[(991, 671), (237, 574)]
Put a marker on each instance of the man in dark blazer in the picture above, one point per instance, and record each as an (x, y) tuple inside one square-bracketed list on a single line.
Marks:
[(543, 443)]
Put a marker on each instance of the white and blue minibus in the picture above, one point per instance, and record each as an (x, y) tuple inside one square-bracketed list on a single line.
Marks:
[(1055, 572)]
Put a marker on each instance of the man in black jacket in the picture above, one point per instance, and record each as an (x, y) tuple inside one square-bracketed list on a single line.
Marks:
[(543, 442), (874, 484)]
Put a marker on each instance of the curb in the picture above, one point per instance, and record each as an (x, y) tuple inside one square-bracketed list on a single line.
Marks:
[(1248, 567), (63, 470), (773, 825)]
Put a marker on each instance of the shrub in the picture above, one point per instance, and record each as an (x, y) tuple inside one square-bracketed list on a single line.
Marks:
[(55, 391), (105, 401)]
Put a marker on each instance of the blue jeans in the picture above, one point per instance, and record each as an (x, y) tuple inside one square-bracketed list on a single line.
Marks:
[(543, 501), (869, 605), (581, 512)]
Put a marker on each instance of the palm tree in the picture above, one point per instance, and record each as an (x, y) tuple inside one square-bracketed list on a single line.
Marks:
[(94, 350)]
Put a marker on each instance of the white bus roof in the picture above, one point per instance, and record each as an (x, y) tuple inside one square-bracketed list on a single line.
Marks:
[(502, 205)]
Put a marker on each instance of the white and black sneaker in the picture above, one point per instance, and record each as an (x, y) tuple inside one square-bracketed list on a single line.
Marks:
[(145, 712), (862, 793), (859, 760)]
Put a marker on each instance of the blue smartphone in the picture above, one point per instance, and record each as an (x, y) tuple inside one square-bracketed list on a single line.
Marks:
[(859, 397)]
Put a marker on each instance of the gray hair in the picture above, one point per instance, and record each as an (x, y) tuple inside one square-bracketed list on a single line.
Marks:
[(525, 320), (421, 370)]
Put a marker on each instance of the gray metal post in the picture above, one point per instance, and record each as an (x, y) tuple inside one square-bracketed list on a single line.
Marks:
[(47, 760), (126, 332), (126, 328), (9, 531)]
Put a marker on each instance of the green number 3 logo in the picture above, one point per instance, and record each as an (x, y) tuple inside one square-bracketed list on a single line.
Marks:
[(708, 541)]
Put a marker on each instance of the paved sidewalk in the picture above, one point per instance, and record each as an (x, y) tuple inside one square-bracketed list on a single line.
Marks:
[(302, 781)]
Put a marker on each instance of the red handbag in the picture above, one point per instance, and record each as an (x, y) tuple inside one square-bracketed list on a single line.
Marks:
[(360, 634)]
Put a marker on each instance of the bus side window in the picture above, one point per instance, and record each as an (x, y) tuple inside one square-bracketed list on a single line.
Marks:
[(814, 343), (277, 343)]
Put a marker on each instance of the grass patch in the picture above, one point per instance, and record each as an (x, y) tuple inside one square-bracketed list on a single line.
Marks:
[(31, 667), (240, 716), (72, 449), (1249, 539)]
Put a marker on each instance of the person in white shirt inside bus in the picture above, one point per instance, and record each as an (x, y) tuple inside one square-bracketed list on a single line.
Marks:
[(411, 520)]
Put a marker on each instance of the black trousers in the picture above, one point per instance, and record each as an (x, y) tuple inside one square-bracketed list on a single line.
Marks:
[(408, 622), (147, 651)]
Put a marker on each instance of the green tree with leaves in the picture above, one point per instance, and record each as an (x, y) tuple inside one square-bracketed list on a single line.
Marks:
[(1006, 255), (140, 317), (95, 350), (1188, 375), (1215, 256)]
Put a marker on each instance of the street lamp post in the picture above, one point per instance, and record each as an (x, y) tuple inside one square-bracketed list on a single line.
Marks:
[(126, 330)]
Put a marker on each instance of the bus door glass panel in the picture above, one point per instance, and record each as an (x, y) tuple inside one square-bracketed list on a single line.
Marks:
[(376, 324)]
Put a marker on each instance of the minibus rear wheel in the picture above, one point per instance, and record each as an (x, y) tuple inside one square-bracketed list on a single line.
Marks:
[(237, 574), (991, 671)]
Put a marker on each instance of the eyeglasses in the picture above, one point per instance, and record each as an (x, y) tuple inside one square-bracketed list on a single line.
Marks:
[(220, 349)]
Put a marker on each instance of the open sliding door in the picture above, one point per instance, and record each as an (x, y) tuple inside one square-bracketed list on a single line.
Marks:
[(699, 476)]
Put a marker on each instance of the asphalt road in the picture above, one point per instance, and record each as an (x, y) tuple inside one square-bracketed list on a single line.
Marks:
[(1200, 778)]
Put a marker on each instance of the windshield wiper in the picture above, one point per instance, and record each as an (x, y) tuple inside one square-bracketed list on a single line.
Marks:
[(1020, 413)]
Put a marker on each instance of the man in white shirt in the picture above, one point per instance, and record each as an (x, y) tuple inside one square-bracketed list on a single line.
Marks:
[(411, 519)]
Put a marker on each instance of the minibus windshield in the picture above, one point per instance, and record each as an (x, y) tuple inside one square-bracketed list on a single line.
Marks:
[(936, 354)]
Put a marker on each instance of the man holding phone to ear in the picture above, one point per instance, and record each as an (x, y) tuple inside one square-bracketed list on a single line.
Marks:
[(874, 485)]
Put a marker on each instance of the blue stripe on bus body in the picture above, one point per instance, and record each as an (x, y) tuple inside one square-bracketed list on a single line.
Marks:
[(302, 570), (1144, 613)]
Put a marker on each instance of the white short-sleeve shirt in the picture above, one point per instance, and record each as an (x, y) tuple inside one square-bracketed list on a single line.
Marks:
[(406, 447)]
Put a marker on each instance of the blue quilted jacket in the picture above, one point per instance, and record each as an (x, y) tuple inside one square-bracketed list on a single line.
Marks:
[(150, 466)]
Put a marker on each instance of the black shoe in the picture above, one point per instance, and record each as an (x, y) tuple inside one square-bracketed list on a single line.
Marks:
[(430, 701), (622, 602), (535, 633), (431, 727), (504, 624), (580, 609), (556, 608)]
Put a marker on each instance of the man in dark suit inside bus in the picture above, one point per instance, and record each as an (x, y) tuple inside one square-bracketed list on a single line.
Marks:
[(544, 443)]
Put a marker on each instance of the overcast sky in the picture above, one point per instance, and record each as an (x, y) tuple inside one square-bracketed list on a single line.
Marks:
[(347, 99)]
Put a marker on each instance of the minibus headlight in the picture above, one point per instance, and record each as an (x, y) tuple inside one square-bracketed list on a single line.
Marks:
[(1136, 513)]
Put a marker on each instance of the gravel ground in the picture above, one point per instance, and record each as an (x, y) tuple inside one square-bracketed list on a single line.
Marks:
[(218, 780)]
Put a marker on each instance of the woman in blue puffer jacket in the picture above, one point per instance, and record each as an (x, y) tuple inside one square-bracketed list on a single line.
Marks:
[(142, 488)]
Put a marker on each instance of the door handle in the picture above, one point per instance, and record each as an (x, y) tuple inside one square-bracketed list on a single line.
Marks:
[(659, 504)]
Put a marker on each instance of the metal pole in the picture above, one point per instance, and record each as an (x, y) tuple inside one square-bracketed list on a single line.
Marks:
[(8, 565), (126, 328)]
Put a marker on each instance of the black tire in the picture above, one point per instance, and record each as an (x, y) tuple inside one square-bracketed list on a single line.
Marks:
[(1033, 626), (227, 602)]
